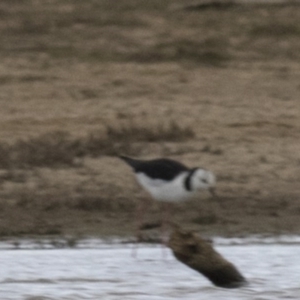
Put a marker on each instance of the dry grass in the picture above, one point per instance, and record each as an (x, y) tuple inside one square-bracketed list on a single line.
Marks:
[(129, 138), (171, 132), (50, 199), (60, 149), (52, 149), (26, 189), (214, 37), (211, 52), (71, 67), (275, 29)]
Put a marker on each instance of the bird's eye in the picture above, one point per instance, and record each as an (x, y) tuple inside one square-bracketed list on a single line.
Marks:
[(204, 180)]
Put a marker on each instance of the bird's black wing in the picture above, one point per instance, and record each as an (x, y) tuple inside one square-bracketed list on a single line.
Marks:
[(162, 168)]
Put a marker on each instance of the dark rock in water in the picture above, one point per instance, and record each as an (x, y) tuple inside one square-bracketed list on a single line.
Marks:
[(199, 255)]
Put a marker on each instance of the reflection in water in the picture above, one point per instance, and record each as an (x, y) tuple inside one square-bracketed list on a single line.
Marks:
[(95, 270)]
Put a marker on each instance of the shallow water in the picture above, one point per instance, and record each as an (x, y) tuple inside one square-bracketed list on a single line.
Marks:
[(96, 270)]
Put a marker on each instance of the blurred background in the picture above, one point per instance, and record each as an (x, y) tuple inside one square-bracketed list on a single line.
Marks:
[(211, 84)]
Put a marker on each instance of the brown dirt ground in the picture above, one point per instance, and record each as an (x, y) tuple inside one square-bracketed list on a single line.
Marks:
[(245, 114)]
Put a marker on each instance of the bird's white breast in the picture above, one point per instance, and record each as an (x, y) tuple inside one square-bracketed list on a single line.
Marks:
[(162, 190)]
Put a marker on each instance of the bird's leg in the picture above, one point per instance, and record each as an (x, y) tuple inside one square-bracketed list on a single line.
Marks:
[(142, 206), (165, 225)]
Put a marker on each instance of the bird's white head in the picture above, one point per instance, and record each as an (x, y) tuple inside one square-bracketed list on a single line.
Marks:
[(203, 180)]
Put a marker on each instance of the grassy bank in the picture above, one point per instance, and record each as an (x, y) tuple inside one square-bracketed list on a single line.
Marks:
[(143, 32), (84, 81)]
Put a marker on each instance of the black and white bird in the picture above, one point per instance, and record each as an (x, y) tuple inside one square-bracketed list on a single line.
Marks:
[(167, 180)]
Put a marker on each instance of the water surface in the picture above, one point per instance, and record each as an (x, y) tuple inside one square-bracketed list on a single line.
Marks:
[(96, 270)]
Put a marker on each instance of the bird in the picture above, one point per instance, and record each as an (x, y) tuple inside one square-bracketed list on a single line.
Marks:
[(168, 180)]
